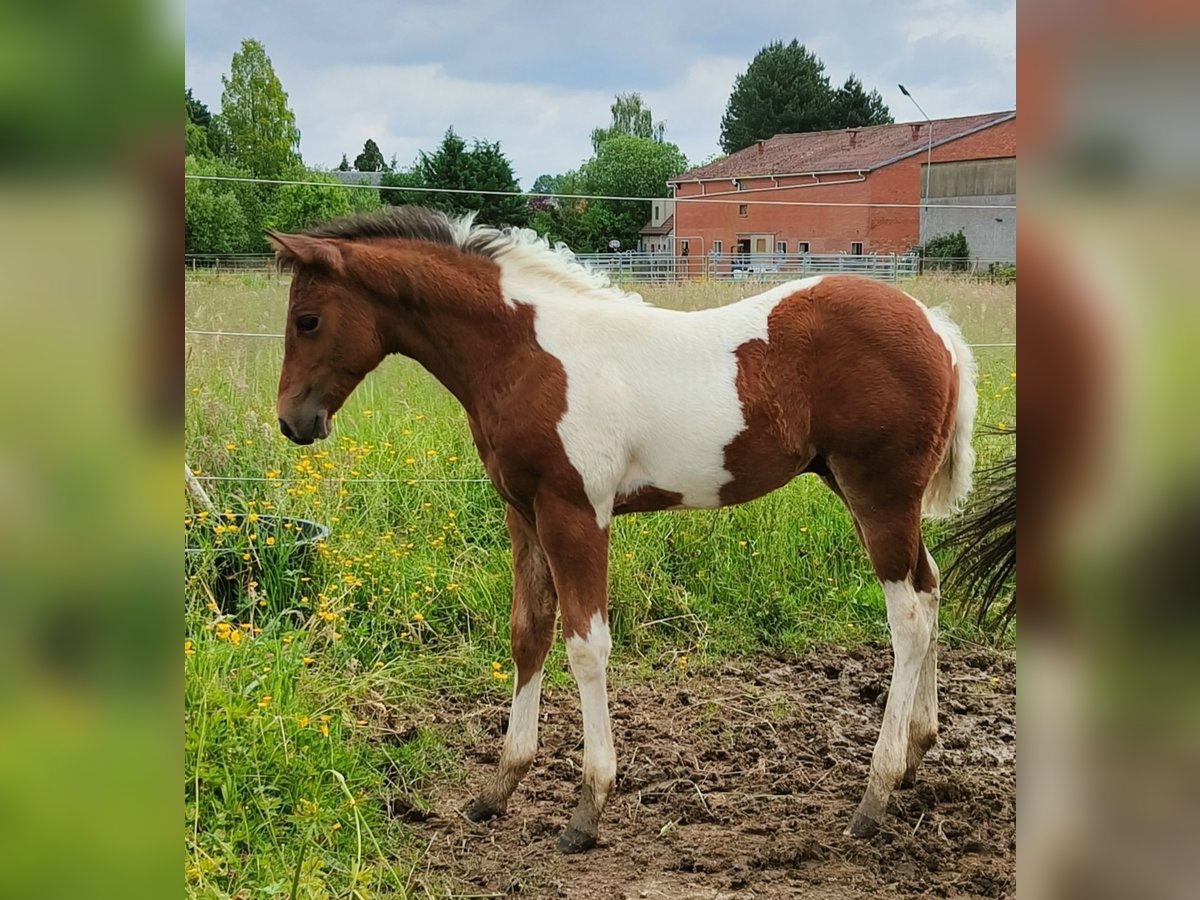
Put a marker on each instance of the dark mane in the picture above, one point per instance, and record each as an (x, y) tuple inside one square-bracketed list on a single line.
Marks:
[(415, 223)]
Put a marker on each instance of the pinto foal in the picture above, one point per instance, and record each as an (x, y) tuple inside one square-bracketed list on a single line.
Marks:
[(585, 403)]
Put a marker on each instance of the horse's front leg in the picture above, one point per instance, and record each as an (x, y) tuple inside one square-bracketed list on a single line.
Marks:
[(531, 631), (576, 547)]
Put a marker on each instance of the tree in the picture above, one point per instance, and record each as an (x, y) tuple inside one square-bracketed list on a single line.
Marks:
[(371, 159), (195, 141), (482, 167), (630, 118), (853, 107), (785, 90), (344, 165), (215, 218), (628, 167), (300, 206), (262, 132), (197, 112)]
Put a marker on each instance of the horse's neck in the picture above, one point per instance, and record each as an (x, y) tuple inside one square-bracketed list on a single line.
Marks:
[(456, 331)]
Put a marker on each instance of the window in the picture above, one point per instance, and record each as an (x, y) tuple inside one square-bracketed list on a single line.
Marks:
[(683, 248), (717, 249), (740, 185), (856, 248), (781, 246), (656, 212), (801, 246), (743, 209)]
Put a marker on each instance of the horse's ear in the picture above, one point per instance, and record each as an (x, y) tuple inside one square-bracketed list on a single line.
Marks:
[(305, 250)]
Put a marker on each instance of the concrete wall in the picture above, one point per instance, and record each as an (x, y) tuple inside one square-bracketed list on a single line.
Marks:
[(988, 239)]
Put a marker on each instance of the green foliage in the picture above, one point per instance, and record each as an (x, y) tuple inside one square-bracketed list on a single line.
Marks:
[(299, 206), (214, 220), (371, 158), (197, 112), (453, 165), (628, 167), (785, 91), (630, 118), (344, 165), (262, 133), (947, 252), (853, 107), (195, 140)]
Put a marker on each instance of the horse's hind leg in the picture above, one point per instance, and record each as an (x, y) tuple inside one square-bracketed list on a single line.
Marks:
[(890, 529), (531, 627), (923, 726)]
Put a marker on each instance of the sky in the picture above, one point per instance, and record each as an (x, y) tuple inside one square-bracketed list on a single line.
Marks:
[(538, 77)]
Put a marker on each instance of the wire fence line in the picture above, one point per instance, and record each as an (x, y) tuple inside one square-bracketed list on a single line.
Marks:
[(337, 480), (264, 334), (739, 201)]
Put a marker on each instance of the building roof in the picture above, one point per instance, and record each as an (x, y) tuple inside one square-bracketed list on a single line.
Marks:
[(667, 226), (831, 151)]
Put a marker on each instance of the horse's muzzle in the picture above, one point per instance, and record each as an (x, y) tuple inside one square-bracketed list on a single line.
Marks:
[(315, 429)]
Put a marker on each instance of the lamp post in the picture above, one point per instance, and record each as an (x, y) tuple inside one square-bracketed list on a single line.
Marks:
[(928, 168)]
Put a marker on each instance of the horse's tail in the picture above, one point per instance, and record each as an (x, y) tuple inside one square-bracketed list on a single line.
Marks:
[(952, 481)]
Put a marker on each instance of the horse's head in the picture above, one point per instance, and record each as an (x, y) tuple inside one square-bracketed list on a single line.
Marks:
[(331, 340)]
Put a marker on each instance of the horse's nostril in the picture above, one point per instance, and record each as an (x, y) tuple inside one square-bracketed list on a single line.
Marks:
[(287, 431)]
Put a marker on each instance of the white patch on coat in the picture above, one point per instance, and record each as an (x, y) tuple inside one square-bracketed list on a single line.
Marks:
[(520, 744), (952, 482), (588, 656), (651, 393), (911, 623)]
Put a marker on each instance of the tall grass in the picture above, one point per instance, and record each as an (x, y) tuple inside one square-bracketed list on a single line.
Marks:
[(296, 664)]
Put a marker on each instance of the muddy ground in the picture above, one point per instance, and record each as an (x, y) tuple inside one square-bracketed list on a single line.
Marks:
[(737, 784)]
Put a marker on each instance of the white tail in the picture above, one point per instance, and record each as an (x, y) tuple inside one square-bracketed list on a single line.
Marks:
[(952, 481)]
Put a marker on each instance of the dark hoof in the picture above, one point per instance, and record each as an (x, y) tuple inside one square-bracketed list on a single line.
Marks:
[(909, 779), (479, 811), (572, 841), (862, 827)]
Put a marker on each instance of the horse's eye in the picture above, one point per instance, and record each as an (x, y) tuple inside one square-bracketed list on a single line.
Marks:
[(307, 323)]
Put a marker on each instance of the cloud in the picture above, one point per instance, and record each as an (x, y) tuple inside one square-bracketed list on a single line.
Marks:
[(539, 77)]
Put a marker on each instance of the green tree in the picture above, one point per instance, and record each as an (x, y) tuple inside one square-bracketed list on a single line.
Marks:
[(197, 112), (628, 167), (215, 218), (371, 159), (785, 90), (195, 142), (299, 206), (453, 165), (262, 133), (630, 118), (344, 165), (853, 107)]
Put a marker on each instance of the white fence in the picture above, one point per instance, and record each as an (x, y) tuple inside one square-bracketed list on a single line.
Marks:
[(661, 267)]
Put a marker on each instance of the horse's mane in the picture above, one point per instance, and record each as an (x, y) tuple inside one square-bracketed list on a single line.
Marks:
[(520, 247)]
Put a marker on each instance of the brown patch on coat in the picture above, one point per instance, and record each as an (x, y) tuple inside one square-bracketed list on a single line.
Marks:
[(646, 499), (852, 380)]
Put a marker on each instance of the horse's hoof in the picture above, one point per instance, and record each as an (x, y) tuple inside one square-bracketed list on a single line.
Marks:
[(861, 826), (909, 779), (573, 841), (479, 811)]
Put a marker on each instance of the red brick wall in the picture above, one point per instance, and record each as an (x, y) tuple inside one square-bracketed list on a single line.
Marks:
[(829, 229)]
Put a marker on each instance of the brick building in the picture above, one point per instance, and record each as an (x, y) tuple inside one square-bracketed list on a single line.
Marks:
[(974, 162)]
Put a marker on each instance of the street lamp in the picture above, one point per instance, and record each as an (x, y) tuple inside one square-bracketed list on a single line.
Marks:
[(928, 167)]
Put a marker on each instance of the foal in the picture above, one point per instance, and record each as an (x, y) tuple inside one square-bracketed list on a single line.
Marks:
[(586, 403)]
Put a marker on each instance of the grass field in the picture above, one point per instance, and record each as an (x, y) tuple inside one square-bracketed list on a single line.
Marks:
[(292, 664)]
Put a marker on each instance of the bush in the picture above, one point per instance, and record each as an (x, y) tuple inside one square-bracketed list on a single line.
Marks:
[(947, 252)]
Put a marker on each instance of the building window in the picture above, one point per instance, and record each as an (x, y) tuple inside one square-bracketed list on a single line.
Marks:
[(856, 248), (683, 247), (740, 185), (781, 246), (656, 212), (717, 249), (743, 209), (801, 246)]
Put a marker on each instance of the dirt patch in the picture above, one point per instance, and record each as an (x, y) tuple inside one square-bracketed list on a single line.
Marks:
[(738, 783)]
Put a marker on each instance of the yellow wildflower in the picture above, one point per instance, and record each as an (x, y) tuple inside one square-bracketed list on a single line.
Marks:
[(500, 676), (417, 617), (265, 701), (270, 542), (188, 650), (302, 721), (496, 667), (307, 660)]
